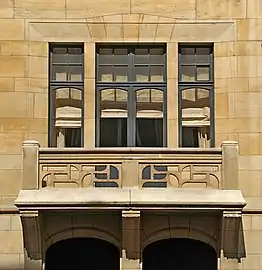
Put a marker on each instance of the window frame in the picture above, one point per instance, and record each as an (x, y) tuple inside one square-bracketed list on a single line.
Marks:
[(131, 86), (56, 85), (206, 84)]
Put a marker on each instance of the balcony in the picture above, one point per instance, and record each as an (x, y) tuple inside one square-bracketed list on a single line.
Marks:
[(130, 167), (133, 184), (103, 178)]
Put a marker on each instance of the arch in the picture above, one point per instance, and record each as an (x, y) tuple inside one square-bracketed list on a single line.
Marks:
[(81, 253), (179, 253), (180, 232), (82, 232)]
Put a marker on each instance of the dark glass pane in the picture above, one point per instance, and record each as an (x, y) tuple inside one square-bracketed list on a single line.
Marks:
[(203, 55), (113, 132), (156, 73), (187, 73), (203, 73), (156, 56), (106, 73), (106, 56), (75, 73), (74, 59), (187, 55), (59, 58), (142, 56), (190, 137), (149, 132), (120, 56), (73, 137), (121, 74), (60, 50), (141, 74), (75, 50), (59, 73)]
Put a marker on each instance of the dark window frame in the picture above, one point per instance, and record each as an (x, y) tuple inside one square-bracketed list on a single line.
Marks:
[(205, 84), (131, 86), (56, 85)]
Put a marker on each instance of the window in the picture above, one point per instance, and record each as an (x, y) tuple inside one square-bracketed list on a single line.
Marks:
[(131, 96), (66, 85), (196, 96)]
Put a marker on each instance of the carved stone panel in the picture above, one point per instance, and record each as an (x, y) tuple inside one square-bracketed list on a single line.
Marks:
[(181, 175), (80, 175)]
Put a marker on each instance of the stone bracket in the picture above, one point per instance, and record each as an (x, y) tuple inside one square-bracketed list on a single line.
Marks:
[(31, 223), (131, 234), (232, 239)]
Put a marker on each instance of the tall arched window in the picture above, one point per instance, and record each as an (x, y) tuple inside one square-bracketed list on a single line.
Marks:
[(66, 85), (196, 96), (131, 96)]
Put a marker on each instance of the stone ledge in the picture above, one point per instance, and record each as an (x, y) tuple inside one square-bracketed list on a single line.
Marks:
[(111, 198)]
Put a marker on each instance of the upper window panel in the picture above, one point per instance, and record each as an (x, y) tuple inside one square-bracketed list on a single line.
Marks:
[(66, 64), (135, 64), (195, 64)]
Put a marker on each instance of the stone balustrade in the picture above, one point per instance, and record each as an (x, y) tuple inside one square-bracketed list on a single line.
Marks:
[(130, 167)]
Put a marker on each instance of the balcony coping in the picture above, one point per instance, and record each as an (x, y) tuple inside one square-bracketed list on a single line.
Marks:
[(129, 198)]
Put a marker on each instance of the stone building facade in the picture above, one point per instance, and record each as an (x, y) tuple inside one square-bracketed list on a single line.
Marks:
[(161, 102)]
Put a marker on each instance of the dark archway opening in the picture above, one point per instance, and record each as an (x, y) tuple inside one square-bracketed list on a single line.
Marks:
[(179, 254), (82, 254)]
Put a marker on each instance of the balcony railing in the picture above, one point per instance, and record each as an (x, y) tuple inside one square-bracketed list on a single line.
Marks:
[(130, 167)]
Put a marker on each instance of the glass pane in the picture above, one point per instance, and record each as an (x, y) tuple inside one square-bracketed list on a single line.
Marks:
[(75, 94), (157, 56), (190, 137), (106, 74), (121, 74), (196, 137), (113, 132), (187, 73), (141, 56), (157, 73), (149, 103), (68, 103), (141, 74), (113, 103), (74, 73), (149, 132), (106, 56), (73, 137), (67, 137), (74, 59), (67, 116), (203, 55), (187, 55), (120, 56), (59, 73), (59, 58), (195, 106), (61, 50), (75, 50), (203, 74)]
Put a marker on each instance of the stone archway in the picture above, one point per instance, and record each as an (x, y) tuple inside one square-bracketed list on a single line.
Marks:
[(179, 254), (82, 253)]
